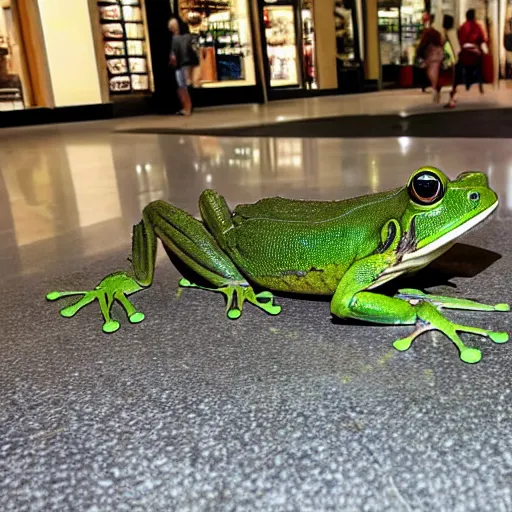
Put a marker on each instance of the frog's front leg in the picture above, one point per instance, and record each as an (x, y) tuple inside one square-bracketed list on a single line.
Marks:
[(351, 300)]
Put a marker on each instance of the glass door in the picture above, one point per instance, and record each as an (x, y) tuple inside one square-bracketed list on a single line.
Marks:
[(280, 20)]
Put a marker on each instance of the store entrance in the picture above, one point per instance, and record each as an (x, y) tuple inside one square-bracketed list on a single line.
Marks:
[(14, 84), (287, 34), (400, 26)]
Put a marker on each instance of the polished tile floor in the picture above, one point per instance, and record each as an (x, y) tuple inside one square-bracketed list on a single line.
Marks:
[(189, 411), (63, 187), (403, 102)]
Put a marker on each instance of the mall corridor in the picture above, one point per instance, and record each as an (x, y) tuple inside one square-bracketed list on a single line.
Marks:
[(191, 411)]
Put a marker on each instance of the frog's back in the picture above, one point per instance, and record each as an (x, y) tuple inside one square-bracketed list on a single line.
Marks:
[(307, 246), (284, 209)]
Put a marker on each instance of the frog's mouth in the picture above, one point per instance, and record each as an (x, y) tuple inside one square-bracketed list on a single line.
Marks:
[(411, 258)]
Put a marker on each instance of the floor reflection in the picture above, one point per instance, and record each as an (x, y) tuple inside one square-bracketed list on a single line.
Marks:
[(71, 195)]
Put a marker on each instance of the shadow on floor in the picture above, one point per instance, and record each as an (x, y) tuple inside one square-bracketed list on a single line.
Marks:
[(475, 123)]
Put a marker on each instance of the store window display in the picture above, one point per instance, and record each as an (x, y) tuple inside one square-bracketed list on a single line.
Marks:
[(12, 84), (224, 41), (290, 46), (281, 40), (349, 45), (345, 38), (400, 25), (125, 45)]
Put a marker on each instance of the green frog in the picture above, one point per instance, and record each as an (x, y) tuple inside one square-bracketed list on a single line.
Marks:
[(345, 249)]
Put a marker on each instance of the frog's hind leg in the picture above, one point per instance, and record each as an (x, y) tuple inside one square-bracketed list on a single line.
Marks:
[(236, 295), (190, 241), (115, 286)]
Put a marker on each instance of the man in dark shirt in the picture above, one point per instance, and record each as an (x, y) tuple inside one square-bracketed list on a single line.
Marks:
[(178, 60)]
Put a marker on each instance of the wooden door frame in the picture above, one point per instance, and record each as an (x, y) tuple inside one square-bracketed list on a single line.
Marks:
[(34, 61)]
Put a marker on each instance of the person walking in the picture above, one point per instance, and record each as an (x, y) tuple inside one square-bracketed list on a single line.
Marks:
[(179, 60), (430, 48), (469, 66)]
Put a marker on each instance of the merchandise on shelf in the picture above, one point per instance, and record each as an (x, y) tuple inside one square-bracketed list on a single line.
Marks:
[(124, 45), (221, 54), (280, 35), (400, 26), (345, 46)]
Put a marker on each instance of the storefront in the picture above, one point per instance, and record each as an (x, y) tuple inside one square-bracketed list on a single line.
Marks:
[(48, 67), (111, 57), (15, 93), (253, 50), (125, 46), (289, 43), (349, 44), (400, 25)]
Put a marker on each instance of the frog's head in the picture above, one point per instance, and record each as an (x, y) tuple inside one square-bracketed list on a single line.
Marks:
[(440, 211)]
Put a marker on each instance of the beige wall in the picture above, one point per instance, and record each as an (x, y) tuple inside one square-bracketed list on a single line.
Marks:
[(325, 41), (70, 52), (372, 47)]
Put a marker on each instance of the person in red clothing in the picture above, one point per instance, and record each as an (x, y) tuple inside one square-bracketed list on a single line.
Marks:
[(469, 67), (431, 50)]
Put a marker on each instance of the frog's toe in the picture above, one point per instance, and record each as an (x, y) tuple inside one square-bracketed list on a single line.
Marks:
[(498, 337), (470, 355), (185, 283), (502, 307), (403, 343), (234, 313), (265, 300), (53, 295), (68, 312), (111, 326), (137, 317), (272, 309)]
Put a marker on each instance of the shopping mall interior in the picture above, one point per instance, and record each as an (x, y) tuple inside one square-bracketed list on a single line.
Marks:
[(189, 410), (111, 57)]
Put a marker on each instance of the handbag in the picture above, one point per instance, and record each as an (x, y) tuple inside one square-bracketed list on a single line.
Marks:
[(448, 56)]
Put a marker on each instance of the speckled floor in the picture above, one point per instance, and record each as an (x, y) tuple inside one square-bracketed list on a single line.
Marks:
[(189, 411)]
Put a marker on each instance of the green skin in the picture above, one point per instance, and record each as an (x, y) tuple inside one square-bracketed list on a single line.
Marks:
[(343, 249)]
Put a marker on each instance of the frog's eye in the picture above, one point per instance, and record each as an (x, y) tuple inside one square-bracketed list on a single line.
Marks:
[(426, 188)]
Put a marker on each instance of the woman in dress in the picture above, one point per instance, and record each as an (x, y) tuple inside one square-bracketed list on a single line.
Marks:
[(431, 49)]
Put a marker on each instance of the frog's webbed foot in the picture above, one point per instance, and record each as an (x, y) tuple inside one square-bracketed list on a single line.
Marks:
[(236, 295), (430, 318), (114, 287)]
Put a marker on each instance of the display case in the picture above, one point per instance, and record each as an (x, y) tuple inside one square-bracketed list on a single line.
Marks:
[(223, 34), (389, 34), (400, 25), (411, 26), (281, 38), (125, 46), (344, 19), (222, 54)]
